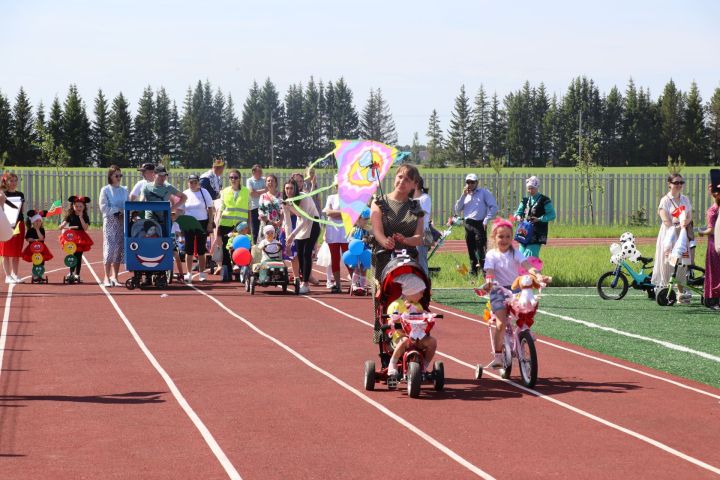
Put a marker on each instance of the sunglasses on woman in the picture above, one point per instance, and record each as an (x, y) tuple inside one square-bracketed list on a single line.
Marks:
[(678, 183), (234, 178)]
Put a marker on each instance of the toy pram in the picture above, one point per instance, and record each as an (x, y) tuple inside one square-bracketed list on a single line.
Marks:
[(411, 368), (148, 246), (268, 273)]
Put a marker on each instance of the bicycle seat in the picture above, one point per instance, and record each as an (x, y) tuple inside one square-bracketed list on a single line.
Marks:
[(645, 260)]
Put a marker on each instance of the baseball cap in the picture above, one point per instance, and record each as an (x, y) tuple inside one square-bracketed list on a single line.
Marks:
[(193, 177), (241, 226), (146, 166), (532, 182), (160, 170), (471, 177), (218, 162)]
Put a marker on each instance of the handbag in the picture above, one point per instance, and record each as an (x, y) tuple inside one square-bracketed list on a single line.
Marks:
[(217, 254), (524, 232)]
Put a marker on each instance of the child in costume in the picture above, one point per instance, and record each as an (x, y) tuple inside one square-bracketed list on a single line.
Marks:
[(35, 235), (502, 265), (360, 232), (77, 220), (413, 288), (270, 247)]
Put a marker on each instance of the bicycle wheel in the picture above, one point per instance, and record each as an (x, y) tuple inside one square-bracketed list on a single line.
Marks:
[(527, 358), (612, 286), (696, 276), (666, 297)]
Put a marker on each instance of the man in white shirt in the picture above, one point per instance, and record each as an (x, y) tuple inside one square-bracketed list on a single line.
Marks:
[(148, 173), (256, 186), (478, 206)]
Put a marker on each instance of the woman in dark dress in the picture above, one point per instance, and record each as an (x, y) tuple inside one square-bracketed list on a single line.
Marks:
[(712, 258)]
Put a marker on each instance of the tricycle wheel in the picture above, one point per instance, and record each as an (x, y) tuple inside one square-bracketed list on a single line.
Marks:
[(129, 283), (666, 297), (161, 281), (369, 375), (439, 376), (612, 285), (414, 379)]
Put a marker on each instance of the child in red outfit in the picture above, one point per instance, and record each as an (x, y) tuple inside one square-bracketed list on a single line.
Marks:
[(76, 221)]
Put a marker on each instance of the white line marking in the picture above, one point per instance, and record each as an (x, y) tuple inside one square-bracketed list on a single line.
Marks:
[(6, 320), (432, 441), (207, 436), (542, 396), (624, 367)]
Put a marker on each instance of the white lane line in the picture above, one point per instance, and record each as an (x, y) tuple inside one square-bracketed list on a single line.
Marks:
[(6, 320), (542, 396), (608, 362), (207, 436), (417, 431)]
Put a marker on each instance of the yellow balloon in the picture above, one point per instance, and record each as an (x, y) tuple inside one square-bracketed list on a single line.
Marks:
[(37, 258), (70, 248)]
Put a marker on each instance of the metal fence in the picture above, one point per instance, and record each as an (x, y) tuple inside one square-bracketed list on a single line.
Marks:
[(620, 197)]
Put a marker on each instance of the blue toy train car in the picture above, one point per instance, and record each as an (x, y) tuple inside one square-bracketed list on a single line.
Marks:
[(148, 244)]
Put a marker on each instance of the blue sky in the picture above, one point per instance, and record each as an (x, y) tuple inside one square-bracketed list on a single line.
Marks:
[(419, 52)]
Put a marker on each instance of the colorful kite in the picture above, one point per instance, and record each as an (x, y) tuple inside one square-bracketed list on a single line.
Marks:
[(362, 164)]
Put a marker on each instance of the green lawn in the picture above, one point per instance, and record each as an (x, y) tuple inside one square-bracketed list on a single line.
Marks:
[(692, 326)]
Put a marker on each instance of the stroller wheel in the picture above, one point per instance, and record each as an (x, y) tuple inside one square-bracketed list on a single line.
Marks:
[(369, 375)]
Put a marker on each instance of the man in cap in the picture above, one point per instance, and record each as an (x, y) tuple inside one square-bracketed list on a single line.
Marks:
[(538, 210), (148, 172), (160, 191), (478, 206), (256, 185), (212, 179)]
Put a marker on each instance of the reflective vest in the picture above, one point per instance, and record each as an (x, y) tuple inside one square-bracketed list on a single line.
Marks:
[(234, 210)]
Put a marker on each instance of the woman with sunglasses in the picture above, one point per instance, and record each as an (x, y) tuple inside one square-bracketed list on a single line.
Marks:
[(112, 206), (234, 204), (670, 204)]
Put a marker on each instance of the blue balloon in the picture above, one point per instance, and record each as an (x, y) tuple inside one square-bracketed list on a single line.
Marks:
[(366, 258), (356, 247), (350, 259), (241, 241)]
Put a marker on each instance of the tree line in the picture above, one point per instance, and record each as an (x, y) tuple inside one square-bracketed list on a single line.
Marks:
[(282, 132), (532, 128), (528, 127)]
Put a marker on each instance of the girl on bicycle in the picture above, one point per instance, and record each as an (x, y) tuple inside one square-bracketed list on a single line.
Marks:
[(502, 265)]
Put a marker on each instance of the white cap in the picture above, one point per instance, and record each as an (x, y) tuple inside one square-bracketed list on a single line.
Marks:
[(472, 177), (268, 229), (532, 182), (411, 284)]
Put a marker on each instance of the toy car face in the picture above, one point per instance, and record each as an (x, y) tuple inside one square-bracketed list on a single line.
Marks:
[(148, 253)]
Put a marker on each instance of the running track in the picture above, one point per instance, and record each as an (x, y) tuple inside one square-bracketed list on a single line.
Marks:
[(210, 382)]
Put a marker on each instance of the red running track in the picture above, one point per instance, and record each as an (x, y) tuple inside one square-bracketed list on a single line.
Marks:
[(269, 386)]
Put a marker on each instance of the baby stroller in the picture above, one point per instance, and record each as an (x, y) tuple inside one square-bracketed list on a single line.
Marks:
[(269, 273), (411, 368), (148, 246)]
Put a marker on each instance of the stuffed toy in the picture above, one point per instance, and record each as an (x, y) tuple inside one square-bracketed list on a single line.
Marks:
[(526, 301)]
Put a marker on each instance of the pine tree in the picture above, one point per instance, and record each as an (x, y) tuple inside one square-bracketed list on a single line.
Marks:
[(671, 106), (76, 129), (459, 147), (175, 137), (610, 152), (101, 145), (121, 133), (270, 145), (695, 144), (714, 127), (315, 143), (163, 118), (343, 121), (23, 151), (5, 127), (648, 126), (144, 129), (550, 127), (479, 127), (582, 96), (497, 129), (294, 139), (231, 133), (542, 131), (436, 142), (630, 141), (520, 129), (377, 123), (415, 149), (250, 127), (39, 129), (55, 122)]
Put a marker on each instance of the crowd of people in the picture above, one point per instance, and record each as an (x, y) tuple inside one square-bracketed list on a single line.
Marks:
[(399, 219)]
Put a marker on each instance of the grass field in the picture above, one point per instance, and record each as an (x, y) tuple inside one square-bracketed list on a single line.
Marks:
[(692, 326), (580, 231)]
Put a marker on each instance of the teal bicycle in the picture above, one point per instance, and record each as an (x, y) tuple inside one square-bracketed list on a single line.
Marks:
[(614, 285)]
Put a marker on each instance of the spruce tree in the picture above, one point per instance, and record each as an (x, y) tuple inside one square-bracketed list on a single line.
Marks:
[(251, 127), (175, 137), (671, 105), (520, 128), (163, 118), (76, 129), (415, 149), (55, 122), (144, 129), (295, 129), (315, 143), (550, 129), (218, 144), (630, 137), (101, 145), (714, 127), (435, 142), (610, 152), (5, 127), (39, 129), (344, 123), (271, 111), (121, 133), (479, 127), (23, 151), (377, 122), (497, 129), (231, 133), (459, 147), (542, 131), (695, 139)]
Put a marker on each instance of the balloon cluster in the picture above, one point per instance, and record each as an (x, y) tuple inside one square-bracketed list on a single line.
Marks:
[(241, 250), (357, 255)]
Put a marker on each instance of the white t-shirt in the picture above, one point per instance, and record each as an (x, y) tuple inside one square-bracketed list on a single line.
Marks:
[(334, 234), (426, 204), (504, 265), (196, 205), (137, 189)]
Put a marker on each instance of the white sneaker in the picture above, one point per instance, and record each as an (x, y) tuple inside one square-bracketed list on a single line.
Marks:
[(304, 289), (9, 279), (202, 276), (107, 283), (188, 278), (496, 361), (329, 284), (16, 278)]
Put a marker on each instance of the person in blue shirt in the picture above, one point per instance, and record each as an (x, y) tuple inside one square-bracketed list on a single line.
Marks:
[(478, 206), (538, 209)]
